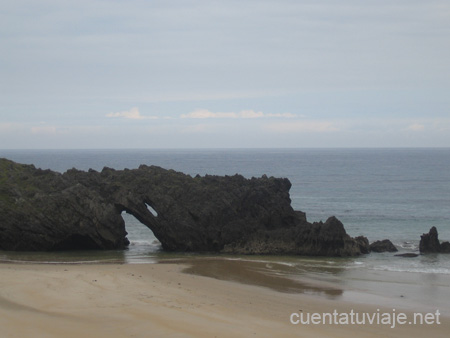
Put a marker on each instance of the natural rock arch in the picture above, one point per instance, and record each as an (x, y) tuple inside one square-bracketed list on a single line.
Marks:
[(45, 210)]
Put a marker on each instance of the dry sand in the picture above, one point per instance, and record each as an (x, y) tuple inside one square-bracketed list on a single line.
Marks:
[(159, 300)]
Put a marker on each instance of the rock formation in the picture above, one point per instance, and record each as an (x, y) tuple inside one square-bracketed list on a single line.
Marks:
[(45, 210), (383, 246), (363, 243), (429, 243), (445, 247), (407, 255)]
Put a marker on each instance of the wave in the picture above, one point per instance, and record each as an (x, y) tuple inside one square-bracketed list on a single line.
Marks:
[(408, 245), (442, 271), (143, 243), (65, 262)]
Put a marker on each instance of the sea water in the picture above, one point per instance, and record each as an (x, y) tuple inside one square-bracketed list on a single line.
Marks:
[(378, 193)]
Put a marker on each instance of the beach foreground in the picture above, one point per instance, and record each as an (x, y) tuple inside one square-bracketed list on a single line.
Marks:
[(160, 300)]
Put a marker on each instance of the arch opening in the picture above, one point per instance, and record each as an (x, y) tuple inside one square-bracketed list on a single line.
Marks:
[(152, 211), (142, 240)]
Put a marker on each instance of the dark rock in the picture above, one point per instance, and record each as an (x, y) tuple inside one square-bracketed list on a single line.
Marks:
[(445, 247), (429, 243), (383, 246), (45, 210), (317, 239), (408, 254), (363, 243), (301, 215)]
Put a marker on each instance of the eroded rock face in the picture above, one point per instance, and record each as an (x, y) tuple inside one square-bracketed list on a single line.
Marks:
[(363, 243), (44, 210), (317, 239), (429, 243), (408, 255), (445, 247), (383, 246)]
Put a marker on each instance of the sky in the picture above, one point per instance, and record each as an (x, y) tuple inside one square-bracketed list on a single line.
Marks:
[(224, 74)]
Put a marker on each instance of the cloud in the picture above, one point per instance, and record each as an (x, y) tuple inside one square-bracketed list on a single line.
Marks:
[(44, 130), (282, 115), (416, 127), (302, 126), (7, 127), (206, 114), (195, 129), (243, 114), (132, 114)]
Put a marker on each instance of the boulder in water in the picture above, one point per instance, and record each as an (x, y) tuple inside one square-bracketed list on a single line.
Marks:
[(383, 246)]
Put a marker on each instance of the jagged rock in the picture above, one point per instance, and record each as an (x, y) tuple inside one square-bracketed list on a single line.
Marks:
[(383, 246), (429, 242), (301, 215), (317, 239), (363, 243), (327, 239), (45, 210), (408, 255), (445, 247), (41, 210)]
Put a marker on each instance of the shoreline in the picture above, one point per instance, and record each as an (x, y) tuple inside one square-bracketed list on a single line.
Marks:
[(355, 280), (164, 299)]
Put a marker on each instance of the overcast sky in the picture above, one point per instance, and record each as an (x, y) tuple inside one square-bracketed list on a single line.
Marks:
[(181, 74)]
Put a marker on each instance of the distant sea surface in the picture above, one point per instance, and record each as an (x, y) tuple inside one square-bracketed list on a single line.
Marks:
[(379, 193)]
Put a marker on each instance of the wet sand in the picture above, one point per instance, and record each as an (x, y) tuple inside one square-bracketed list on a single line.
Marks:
[(176, 299), (258, 273)]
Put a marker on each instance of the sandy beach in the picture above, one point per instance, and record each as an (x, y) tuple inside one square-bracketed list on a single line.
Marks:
[(160, 300)]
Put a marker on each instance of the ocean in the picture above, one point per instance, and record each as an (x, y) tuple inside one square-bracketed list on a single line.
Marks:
[(397, 194)]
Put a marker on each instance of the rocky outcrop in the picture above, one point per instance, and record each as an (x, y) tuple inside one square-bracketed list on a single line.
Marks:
[(407, 255), (363, 243), (429, 243), (316, 239), (445, 247), (383, 246), (45, 210)]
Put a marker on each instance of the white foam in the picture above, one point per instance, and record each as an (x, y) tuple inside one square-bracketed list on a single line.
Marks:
[(140, 243), (442, 271)]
